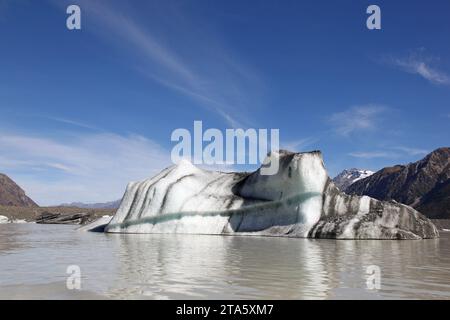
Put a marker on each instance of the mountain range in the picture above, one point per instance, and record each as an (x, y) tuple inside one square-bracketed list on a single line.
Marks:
[(103, 205), (423, 185), (14, 196)]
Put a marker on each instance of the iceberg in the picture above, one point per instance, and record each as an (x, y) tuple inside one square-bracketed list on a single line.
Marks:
[(97, 225), (300, 200), (4, 219)]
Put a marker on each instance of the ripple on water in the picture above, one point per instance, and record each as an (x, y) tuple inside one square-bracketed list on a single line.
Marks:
[(218, 267)]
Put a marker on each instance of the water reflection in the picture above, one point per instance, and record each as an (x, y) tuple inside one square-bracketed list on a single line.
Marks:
[(167, 266), (221, 267)]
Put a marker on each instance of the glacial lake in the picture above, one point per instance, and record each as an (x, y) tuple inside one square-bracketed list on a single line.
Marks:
[(34, 260)]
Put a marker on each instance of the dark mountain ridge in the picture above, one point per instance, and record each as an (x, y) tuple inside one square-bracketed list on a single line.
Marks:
[(423, 185)]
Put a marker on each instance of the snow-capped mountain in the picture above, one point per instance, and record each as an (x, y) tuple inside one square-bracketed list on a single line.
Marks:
[(349, 176)]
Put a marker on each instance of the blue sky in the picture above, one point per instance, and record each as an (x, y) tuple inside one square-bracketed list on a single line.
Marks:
[(84, 112)]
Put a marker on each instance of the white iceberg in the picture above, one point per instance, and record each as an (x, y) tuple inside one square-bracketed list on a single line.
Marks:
[(19, 221), (97, 225), (4, 219), (299, 201)]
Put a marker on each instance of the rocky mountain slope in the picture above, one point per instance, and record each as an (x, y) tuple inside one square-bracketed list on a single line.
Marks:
[(350, 176), (436, 203), (424, 184), (12, 195)]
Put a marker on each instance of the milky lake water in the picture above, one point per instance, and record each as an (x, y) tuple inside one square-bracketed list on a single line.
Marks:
[(34, 261)]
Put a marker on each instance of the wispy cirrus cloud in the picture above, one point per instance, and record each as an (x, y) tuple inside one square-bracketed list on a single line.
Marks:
[(411, 151), (390, 152), (299, 145), (93, 167), (372, 154), (204, 69), (73, 123), (358, 118), (417, 62)]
